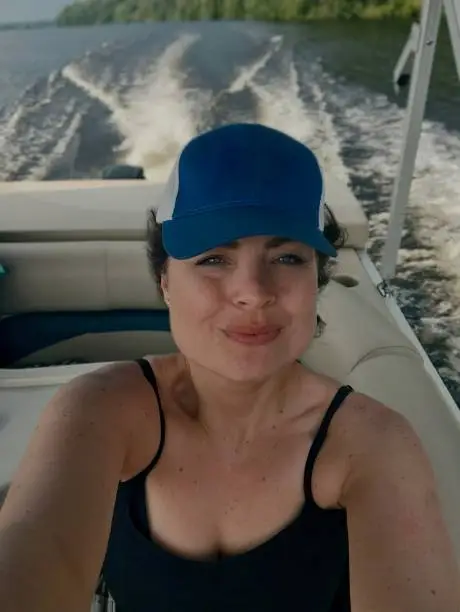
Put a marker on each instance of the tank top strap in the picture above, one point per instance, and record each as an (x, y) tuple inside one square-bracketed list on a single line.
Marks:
[(149, 375), (320, 437)]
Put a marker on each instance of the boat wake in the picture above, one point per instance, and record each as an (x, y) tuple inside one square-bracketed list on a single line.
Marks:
[(370, 128)]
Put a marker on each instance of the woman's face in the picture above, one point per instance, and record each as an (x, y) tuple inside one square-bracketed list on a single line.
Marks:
[(246, 309)]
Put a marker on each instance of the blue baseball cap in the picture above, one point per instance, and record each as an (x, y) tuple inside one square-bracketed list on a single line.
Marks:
[(242, 180)]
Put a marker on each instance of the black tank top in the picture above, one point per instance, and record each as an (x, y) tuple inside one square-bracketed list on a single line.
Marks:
[(302, 567)]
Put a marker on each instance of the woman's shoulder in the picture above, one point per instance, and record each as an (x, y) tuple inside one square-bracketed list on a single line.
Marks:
[(117, 397), (395, 524), (361, 424), (123, 380), (376, 443), (357, 414), (360, 434), (106, 379), (365, 421), (111, 388)]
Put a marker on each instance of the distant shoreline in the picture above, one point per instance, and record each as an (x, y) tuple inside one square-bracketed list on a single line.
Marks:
[(33, 25), (95, 12)]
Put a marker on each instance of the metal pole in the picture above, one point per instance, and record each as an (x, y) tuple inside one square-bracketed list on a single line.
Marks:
[(405, 58), (429, 28)]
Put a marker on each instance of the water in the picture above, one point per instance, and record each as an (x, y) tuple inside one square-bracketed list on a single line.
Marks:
[(75, 100)]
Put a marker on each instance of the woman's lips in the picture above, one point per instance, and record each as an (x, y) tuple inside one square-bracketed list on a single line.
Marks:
[(253, 336)]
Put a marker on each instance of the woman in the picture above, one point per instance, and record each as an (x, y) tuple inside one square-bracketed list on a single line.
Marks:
[(228, 476)]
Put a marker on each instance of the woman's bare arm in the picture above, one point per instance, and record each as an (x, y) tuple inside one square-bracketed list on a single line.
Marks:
[(55, 522), (401, 557)]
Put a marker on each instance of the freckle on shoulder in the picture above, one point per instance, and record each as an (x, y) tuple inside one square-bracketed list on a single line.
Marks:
[(368, 419)]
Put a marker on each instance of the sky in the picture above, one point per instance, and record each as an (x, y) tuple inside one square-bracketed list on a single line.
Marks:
[(30, 10)]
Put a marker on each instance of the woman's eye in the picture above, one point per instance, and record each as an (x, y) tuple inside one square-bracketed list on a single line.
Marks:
[(291, 260), (212, 260), (288, 259)]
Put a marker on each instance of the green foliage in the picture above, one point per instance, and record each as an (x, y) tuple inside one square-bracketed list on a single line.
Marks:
[(83, 12)]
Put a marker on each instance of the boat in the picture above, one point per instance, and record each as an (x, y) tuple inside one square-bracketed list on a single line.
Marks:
[(76, 293)]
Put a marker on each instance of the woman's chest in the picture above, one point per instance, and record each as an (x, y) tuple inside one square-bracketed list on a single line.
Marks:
[(200, 501)]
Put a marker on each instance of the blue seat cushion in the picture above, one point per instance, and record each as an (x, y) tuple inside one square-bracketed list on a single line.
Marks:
[(24, 334)]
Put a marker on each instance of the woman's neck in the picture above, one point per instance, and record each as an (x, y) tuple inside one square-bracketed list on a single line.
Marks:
[(234, 413)]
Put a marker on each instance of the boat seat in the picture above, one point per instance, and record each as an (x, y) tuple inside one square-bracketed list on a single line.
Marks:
[(86, 301), (23, 335), (76, 276)]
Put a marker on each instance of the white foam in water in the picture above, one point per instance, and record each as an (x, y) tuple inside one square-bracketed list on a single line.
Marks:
[(160, 114), (247, 74), (376, 124), (62, 154), (157, 117), (11, 124), (281, 107), (96, 91), (22, 141), (436, 190), (435, 193), (12, 137)]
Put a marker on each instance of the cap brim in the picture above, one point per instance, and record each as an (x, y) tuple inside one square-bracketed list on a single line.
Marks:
[(192, 235)]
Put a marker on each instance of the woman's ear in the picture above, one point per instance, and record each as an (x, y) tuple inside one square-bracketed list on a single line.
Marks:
[(164, 288)]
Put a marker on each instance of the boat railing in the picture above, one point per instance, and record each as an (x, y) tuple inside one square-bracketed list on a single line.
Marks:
[(420, 47)]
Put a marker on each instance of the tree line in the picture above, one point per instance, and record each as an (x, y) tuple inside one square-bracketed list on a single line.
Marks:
[(85, 12)]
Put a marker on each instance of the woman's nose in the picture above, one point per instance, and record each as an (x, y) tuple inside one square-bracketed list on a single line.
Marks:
[(253, 286)]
